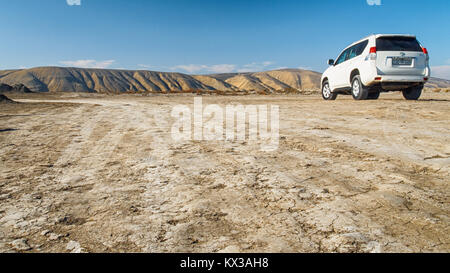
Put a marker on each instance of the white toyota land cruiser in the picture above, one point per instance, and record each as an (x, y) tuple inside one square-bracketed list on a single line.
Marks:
[(378, 63)]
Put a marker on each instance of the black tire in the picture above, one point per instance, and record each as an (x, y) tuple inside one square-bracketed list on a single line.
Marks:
[(374, 95), (413, 93), (326, 92), (359, 91)]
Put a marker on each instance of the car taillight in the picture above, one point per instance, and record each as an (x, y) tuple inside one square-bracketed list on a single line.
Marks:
[(373, 53), (425, 51)]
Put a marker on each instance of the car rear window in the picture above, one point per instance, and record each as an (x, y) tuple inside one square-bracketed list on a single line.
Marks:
[(398, 44)]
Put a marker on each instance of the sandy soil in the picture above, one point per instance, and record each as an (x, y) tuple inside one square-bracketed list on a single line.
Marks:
[(102, 174)]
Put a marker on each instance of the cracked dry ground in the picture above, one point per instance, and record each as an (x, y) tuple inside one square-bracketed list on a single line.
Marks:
[(102, 174)]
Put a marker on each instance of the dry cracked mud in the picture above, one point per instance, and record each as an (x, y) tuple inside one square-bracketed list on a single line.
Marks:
[(102, 174)]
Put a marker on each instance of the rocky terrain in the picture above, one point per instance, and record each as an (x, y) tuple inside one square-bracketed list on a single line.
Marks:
[(99, 173)]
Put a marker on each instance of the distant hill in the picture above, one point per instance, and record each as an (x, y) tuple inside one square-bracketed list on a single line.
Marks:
[(45, 79), (52, 79), (438, 83)]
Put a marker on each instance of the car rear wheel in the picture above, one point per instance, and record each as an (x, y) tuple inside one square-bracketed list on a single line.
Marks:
[(326, 92), (413, 93), (359, 91)]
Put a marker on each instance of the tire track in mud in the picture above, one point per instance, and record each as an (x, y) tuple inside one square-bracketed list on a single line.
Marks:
[(35, 209), (115, 220), (102, 199), (167, 191), (85, 155), (127, 219), (181, 216), (199, 206), (74, 149), (70, 187)]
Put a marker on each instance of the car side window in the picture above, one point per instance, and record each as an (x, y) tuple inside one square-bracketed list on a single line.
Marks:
[(356, 50), (361, 47), (352, 53), (343, 57)]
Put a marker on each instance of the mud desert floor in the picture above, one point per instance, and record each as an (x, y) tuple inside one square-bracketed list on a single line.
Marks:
[(81, 173)]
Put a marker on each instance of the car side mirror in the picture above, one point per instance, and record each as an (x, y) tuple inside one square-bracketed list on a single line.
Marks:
[(330, 62)]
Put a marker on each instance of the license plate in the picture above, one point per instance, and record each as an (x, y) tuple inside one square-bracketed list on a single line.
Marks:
[(401, 61)]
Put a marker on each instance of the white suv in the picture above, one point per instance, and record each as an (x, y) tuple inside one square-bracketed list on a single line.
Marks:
[(378, 63)]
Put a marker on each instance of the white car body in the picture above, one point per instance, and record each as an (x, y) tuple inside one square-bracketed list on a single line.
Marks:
[(380, 70)]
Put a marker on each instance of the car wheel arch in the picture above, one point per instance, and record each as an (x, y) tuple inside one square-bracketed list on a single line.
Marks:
[(354, 73)]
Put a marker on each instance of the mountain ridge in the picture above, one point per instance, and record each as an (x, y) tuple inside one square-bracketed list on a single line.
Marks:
[(72, 79)]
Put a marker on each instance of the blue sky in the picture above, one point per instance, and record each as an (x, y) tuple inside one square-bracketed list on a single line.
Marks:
[(209, 36)]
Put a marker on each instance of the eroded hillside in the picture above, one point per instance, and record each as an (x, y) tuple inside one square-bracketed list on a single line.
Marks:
[(53, 79)]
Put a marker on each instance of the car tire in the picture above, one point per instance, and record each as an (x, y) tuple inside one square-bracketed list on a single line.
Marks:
[(359, 91), (326, 92), (413, 93), (374, 95)]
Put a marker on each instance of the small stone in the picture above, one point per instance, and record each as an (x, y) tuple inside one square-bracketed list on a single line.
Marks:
[(74, 247), (134, 209), (20, 245), (45, 232), (54, 237), (230, 249)]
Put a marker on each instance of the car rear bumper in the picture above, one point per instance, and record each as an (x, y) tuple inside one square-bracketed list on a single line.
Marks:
[(393, 84), (398, 80)]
